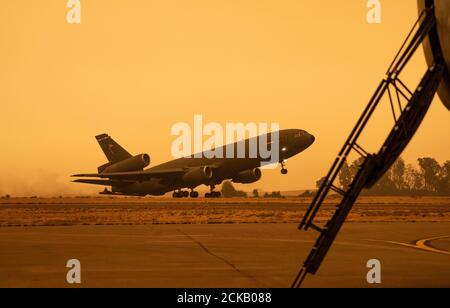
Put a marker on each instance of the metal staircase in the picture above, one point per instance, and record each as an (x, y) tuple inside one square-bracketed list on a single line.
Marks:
[(411, 107)]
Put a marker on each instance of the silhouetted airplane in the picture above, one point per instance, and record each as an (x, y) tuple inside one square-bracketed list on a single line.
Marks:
[(126, 175)]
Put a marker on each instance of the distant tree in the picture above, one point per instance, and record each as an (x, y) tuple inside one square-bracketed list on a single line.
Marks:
[(444, 179), (345, 176), (320, 182), (384, 186), (355, 166), (413, 179), (274, 194), (398, 174), (430, 169), (446, 169), (307, 193), (228, 191), (348, 172), (255, 193)]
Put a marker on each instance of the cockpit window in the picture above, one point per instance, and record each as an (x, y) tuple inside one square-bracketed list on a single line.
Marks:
[(300, 134)]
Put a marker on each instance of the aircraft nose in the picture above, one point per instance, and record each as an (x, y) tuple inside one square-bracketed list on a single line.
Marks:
[(311, 138)]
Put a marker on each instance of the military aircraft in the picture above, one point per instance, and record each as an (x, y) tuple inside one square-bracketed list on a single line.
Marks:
[(126, 175)]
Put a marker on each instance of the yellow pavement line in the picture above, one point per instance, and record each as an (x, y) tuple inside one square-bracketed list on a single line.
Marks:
[(421, 244)]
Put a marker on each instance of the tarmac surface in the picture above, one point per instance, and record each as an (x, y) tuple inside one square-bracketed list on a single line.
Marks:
[(222, 255)]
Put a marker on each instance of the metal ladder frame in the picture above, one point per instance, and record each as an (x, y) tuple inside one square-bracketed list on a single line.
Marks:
[(376, 165)]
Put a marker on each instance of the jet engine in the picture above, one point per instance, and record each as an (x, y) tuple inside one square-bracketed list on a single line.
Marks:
[(135, 163), (248, 176), (198, 175)]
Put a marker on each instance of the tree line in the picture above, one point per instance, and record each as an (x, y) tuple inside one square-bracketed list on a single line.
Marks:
[(228, 191), (428, 178)]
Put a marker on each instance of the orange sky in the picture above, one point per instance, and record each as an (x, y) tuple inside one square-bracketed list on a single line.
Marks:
[(134, 68)]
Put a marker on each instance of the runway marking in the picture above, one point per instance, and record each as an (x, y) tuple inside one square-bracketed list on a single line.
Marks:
[(421, 244)]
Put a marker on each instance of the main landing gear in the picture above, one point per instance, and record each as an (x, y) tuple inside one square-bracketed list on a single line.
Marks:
[(284, 171), (213, 193), (194, 194), (185, 194)]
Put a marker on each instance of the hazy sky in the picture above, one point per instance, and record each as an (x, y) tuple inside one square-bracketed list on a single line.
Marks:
[(134, 68)]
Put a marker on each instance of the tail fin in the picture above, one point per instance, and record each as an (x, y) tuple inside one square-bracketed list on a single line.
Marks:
[(113, 151)]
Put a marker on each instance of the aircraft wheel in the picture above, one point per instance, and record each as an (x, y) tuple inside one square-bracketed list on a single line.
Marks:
[(284, 171), (185, 194), (194, 194), (207, 195)]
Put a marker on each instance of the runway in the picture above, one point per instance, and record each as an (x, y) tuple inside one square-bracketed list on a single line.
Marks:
[(222, 255)]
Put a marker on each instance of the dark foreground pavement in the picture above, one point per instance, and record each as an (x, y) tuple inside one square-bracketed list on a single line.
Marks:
[(229, 255)]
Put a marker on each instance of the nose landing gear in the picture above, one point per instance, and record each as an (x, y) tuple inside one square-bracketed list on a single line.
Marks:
[(284, 171)]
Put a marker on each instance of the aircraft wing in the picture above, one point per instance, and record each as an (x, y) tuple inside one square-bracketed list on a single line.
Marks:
[(103, 182), (134, 175)]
